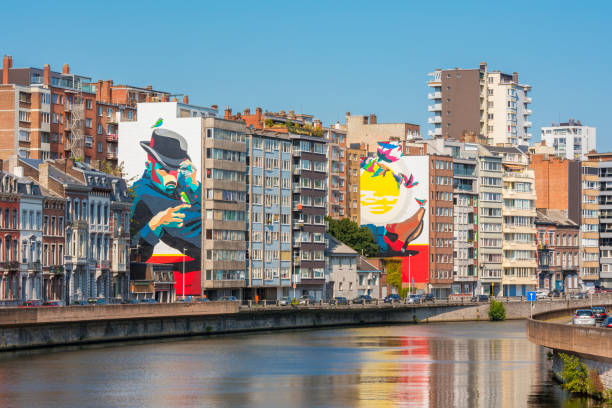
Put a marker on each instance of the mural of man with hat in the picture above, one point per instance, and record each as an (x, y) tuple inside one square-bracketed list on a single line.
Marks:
[(167, 206)]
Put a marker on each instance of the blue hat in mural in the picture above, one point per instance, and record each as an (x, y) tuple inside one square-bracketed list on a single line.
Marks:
[(167, 147)]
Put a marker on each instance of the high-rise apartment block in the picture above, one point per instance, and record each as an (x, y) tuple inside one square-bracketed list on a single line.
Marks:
[(571, 140), (489, 104)]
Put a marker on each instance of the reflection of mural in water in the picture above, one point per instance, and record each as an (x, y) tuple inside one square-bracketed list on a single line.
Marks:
[(166, 213), (394, 194)]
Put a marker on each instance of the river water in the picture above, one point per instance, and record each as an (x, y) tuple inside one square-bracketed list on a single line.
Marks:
[(438, 365)]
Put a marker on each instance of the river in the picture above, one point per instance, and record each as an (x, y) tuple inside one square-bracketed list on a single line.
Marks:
[(478, 364)]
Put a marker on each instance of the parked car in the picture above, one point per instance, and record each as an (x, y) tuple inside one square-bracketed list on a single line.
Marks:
[(80, 303), (554, 293), (32, 303), (306, 300), (581, 295), (201, 299), (129, 302), (607, 322), (541, 294), (340, 300), (97, 301), (228, 299), (429, 297), (284, 301), (480, 298), (393, 298), (53, 303), (584, 317), (363, 299), (600, 313), (413, 299), (148, 300)]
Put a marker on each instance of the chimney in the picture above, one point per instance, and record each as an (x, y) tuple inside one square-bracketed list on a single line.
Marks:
[(164, 98), (148, 98), (372, 119), (258, 114), (174, 99), (317, 124), (150, 87), (66, 69), (43, 175), (348, 114), (186, 99), (365, 120), (215, 107), (7, 63), (247, 111), (282, 113), (47, 75), (106, 91), (483, 66), (228, 113), (515, 77)]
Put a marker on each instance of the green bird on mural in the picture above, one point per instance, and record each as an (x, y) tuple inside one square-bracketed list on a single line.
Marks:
[(157, 124)]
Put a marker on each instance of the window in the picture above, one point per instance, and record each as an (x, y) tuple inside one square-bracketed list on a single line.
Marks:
[(99, 147), (88, 123)]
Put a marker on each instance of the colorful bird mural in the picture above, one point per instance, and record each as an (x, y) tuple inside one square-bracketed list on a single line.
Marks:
[(157, 124)]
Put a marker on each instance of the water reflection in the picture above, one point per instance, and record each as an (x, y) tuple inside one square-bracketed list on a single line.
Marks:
[(437, 365)]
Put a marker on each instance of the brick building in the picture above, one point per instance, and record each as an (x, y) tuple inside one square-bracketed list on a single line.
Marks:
[(558, 251)]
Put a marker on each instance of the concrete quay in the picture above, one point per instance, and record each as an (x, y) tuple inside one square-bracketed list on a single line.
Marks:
[(22, 328)]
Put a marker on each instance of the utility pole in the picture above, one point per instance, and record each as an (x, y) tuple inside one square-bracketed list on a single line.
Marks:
[(184, 255)]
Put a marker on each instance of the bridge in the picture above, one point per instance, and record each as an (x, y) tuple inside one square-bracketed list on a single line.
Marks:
[(22, 328), (593, 345)]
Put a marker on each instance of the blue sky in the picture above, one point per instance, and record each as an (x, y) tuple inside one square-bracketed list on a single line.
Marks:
[(327, 57)]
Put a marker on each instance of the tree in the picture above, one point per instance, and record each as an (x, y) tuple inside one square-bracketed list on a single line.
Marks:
[(361, 239), (497, 311)]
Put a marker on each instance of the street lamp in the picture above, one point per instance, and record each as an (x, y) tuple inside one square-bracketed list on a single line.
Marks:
[(184, 252)]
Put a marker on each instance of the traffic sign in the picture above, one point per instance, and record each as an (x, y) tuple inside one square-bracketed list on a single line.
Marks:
[(531, 296)]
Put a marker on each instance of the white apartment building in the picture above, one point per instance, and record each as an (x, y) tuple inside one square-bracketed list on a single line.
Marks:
[(491, 104), (571, 139)]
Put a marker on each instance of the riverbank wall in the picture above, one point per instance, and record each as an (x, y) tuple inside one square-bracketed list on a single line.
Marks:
[(96, 324)]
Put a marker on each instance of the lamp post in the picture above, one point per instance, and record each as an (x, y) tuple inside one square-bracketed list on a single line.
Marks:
[(184, 252), (409, 275)]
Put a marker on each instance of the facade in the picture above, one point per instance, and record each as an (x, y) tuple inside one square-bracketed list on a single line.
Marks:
[(354, 154), (54, 240), (490, 104), (369, 279), (269, 213), (367, 132), (558, 184), (558, 251), (519, 213), (337, 185), (309, 210), (590, 223), (490, 220), (571, 140), (10, 291), (342, 262), (441, 226)]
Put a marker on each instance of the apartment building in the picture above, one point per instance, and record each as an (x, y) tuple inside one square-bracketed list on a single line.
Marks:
[(341, 268), (490, 104), (269, 211), (441, 228), (10, 284), (571, 140), (354, 153), (558, 184), (519, 213), (558, 243), (309, 191), (465, 212), (604, 166), (490, 230), (224, 185), (590, 223), (337, 180), (53, 240)]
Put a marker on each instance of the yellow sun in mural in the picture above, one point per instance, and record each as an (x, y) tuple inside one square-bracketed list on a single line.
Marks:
[(378, 194)]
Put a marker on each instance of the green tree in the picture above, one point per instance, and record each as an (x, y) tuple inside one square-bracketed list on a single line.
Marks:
[(575, 375), (360, 239), (497, 311)]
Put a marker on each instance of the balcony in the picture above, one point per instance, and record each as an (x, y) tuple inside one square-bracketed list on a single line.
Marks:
[(434, 95), (528, 112), (527, 124), (527, 99), (435, 108), (435, 119), (112, 119), (111, 156), (112, 138), (67, 107), (435, 132)]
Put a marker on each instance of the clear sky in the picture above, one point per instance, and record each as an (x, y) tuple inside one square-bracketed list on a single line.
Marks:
[(327, 57)]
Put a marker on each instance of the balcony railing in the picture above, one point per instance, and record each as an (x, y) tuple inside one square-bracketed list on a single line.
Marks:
[(112, 137), (435, 119)]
